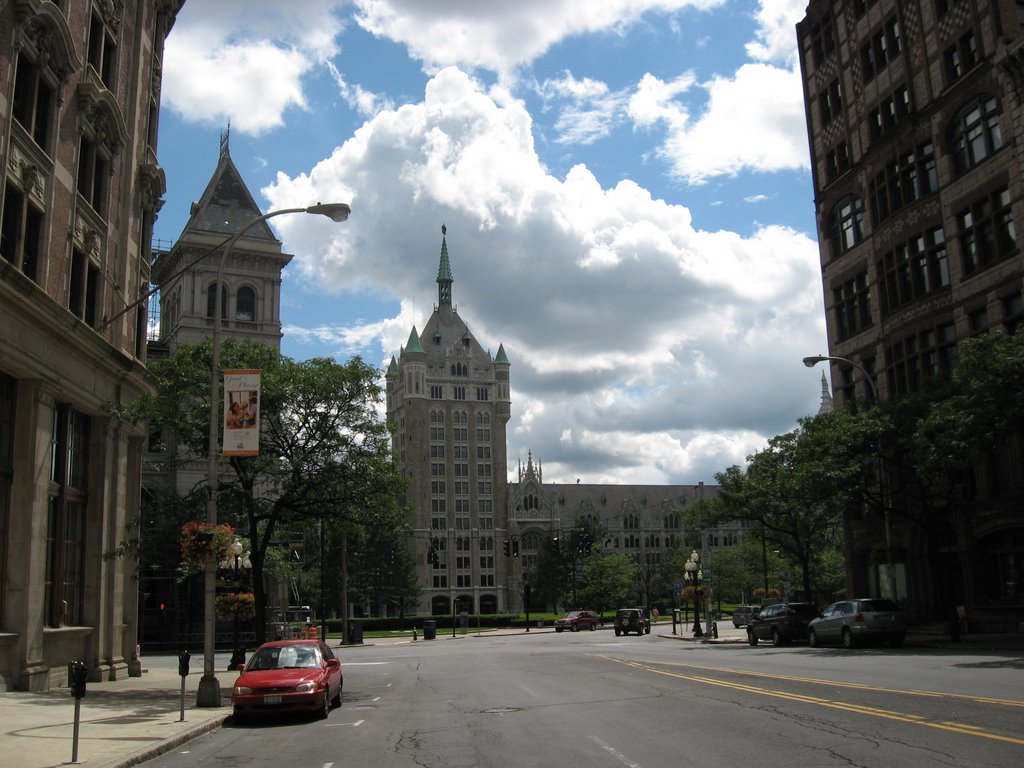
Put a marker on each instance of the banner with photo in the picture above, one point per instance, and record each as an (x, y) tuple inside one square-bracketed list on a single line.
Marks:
[(241, 413)]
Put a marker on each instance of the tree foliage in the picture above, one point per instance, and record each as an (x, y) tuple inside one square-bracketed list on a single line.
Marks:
[(324, 452)]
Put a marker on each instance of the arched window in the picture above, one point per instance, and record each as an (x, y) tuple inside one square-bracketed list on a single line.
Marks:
[(245, 304), (974, 133), (211, 300), (846, 225)]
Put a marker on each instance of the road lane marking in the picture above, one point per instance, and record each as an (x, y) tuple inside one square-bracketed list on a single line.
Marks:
[(356, 724), (615, 753), (902, 717)]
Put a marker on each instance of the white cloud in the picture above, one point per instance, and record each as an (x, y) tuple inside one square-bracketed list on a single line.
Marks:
[(500, 36), (244, 60), (753, 121), (776, 32), (620, 318)]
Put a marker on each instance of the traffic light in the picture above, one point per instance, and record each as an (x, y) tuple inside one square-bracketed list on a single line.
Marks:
[(558, 545), (432, 558), (508, 545), (515, 547)]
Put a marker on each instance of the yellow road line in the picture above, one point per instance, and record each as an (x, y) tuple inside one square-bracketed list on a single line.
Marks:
[(901, 717)]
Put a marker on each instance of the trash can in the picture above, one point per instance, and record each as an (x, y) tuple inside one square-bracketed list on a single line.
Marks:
[(355, 632), (429, 629)]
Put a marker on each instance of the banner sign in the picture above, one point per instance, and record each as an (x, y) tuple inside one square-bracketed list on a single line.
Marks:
[(241, 413)]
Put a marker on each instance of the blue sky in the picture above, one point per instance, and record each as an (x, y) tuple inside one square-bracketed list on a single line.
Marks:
[(625, 186)]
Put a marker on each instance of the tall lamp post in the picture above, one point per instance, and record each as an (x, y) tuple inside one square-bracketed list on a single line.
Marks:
[(208, 694), (883, 490), (694, 579), (238, 657)]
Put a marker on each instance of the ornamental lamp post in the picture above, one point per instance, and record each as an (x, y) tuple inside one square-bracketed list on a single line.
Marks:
[(208, 694), (694, 579), (238, 657)]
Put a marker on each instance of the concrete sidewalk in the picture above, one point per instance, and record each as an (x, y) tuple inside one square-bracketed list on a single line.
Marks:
[(125, 722)]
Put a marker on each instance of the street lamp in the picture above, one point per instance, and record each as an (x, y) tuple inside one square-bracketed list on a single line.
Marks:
[(208, 694), (694, 578), (812, 361), (238, 657)]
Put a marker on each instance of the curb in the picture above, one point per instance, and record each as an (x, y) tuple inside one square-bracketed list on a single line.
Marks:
[(155, 750)]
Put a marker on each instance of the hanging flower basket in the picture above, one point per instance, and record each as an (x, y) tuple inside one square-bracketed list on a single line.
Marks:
[(236, 605), (772, 593), (201, 541)]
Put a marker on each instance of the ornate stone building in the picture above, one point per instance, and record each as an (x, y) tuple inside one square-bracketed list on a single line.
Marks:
[(914, 118), (449, 400), (81, 187)]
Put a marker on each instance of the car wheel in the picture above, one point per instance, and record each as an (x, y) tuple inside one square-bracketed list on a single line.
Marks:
[(618, 631), (848, 641), (575, 627), (812, 638), (239, 717), (593, 627), (751, 638), (558, 629), (326, 710), (897, 641)]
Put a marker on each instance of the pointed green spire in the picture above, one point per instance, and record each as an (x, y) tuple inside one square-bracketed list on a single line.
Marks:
[(413, 344), (501, 358), (392, 368), (444, 273)]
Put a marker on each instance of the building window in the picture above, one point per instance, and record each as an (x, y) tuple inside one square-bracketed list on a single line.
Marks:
[(65, 535), (459, 393), (975, 133), (830, 102), (483, 394), (94, 173), (211, 300), (439, 523), (853, 306), (437, 451), (914, 269), (837, 161), (34, 99), (1013, 311), (987, 232), (823, 38), (959, 58), (890, 111), (22, 234), (846, 225), (102, 51), (436, 391), (245, 304), (883, 48), (919, 358)]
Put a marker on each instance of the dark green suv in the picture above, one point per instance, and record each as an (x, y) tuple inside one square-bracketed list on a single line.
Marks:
[(632, 620)]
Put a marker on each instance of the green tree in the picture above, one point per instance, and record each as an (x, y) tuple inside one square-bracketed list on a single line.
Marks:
[(607, 580), (324, 452)]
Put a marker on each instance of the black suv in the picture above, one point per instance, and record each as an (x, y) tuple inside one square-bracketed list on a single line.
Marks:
[(782, 623), (632, 620)]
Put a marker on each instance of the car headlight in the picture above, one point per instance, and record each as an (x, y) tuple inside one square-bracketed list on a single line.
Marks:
[(306, 687), (242, 690)]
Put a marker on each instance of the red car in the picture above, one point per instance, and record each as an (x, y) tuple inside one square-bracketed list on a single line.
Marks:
[(577, 620), (288, 676)]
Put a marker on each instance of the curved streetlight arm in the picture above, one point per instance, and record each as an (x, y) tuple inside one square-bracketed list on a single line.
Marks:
[(813, 360), (209, 688)]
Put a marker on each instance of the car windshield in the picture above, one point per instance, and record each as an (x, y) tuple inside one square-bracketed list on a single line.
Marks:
[(285, 657)]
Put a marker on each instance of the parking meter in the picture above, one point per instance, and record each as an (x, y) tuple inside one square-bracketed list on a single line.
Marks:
[(183, 659), (77, 671)]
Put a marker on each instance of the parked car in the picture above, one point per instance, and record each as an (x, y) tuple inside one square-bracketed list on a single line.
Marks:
[(863, 619), (781, 623), (742, 615), (632, 620), (289, 676), (574, 621)]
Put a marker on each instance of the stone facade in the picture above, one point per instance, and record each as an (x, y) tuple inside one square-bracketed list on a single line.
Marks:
[(914, 119), (79, 95), (448, 401)]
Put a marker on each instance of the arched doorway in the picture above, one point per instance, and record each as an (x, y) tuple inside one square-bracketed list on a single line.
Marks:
[(488, 603), (440, 605)]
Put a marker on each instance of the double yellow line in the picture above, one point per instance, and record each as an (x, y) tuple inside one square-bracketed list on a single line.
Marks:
[(902, 717)]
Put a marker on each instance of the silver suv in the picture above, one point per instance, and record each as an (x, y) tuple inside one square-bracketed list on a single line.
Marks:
[(859, 620), (743, 614)]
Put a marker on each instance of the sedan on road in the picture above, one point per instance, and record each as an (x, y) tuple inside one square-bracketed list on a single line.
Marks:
[(781, 623), (288, 676), (574, 621), (852, 622)]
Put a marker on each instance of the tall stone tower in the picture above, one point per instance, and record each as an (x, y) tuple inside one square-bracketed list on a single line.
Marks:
[(187, 273), (448, 400)]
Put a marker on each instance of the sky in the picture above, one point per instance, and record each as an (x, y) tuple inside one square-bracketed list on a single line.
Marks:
[(625, 186)]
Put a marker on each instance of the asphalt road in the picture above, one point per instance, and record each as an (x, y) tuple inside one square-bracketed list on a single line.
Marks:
[(596, 700)]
